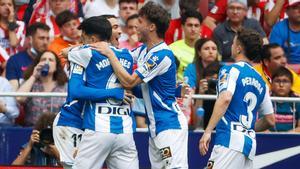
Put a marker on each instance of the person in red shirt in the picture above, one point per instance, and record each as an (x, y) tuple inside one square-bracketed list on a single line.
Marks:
[(175, 31), (218, 14), (70, 35)]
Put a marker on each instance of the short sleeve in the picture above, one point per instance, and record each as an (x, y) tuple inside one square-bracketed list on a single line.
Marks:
[(80, 55), (227, 79), (154, 66), (266, 107)]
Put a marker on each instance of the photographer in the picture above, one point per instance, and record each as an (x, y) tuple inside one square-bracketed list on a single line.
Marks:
[(201, 75), (40, 150), (44, 75)]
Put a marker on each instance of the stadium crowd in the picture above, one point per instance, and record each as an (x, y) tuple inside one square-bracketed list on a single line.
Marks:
[(33, 34)]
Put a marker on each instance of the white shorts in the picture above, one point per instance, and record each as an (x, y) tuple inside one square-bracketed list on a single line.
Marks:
[(169, 149), (118, 150), (66, 140), (225, 158)]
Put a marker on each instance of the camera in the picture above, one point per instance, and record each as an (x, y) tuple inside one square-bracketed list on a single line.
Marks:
[(45, 69), (46, 137), (212, 84)]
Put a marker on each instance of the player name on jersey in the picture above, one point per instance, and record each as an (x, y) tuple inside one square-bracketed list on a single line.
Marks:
[(253, 82), (104, 63)]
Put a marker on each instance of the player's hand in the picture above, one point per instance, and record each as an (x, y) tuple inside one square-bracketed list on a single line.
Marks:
[(128, 97), (103, 48), (204, 143), (34, 138)]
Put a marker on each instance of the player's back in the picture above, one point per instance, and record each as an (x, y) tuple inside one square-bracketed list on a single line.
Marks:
[(236, 129), (109, 115)]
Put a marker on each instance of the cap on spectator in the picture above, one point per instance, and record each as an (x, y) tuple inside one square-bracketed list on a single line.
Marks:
[(293, 2), (243, 2)]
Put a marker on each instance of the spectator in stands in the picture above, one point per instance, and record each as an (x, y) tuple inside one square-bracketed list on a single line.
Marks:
[(8, 107), (45, 11), (274, 57), (40, 80), (175, 31), (3, 58), (286, 33), (40, 149), (225, 32), (127, 8), (287, 114), (69, 34), (12, 32), (38, 34), (184, 49), (131, 30), (116, 29), (201, 75), (275, 11), (218, 13), (100, 7), (172, 6)]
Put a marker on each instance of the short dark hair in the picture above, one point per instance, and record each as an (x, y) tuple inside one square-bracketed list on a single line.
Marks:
[(97, 25), (185, 5), (64, 17), (266, 50), (283, 71), (32, 29), (156, 15), (108, 16), (191, 14), (134, 16), (251, 41), (128, 1)]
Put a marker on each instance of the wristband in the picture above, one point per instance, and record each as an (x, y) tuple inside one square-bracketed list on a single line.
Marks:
[(12, 26)]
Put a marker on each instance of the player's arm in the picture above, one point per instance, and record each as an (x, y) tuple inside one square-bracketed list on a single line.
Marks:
[(219, 110), (78, 90), (266, 109), (226, 88), (127, 80)]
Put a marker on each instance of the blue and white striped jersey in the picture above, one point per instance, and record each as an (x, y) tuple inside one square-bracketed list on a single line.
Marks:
[(110, 115), (157, 69), (250, 95), (72, 110)]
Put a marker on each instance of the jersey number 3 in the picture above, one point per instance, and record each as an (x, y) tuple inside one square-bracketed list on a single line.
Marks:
[(251, 100)]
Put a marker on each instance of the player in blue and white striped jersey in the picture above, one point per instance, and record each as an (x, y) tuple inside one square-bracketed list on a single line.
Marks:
[(67, 127), (108, 124), (241, 94), (156, 73)]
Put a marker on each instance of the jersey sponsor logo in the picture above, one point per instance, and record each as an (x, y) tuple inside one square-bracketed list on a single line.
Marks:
[(165, 152), (106, 109), (243, 129), (223, 79), (149, 65), (78, 70)]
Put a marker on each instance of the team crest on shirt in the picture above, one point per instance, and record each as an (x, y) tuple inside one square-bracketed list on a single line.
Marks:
[(77, 69)]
